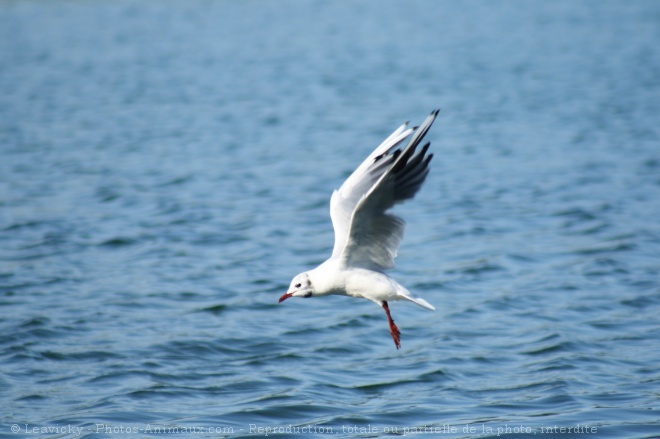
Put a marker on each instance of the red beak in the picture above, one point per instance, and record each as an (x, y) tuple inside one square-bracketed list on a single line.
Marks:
[(284, 297)]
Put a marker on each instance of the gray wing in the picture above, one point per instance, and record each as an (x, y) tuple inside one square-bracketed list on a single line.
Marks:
[(365, 235)]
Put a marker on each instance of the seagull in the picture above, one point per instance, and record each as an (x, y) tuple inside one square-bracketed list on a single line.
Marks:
[(367, 237)]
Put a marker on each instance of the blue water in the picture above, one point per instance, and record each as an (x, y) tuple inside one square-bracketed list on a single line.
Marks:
[(166, 168)]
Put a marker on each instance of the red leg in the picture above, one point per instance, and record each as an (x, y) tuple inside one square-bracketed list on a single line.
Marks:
[(396, 334)]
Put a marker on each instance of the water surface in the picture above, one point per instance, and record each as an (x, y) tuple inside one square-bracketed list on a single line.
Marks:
[(166, 168)]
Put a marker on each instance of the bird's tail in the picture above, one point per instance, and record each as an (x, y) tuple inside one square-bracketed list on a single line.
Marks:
[(421, 302), (403, 293)]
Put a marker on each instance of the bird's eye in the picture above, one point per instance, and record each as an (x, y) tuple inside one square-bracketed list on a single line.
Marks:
[(298, 285)]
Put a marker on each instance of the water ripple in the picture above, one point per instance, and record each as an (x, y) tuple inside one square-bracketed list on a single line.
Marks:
[(158, 189)]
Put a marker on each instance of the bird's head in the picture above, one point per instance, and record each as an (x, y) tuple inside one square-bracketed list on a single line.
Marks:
[(301, 286)]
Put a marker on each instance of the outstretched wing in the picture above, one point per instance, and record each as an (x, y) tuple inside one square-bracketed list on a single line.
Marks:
[(365, 235)]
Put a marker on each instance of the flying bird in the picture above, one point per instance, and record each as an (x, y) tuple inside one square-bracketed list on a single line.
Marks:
[(367, 237)]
